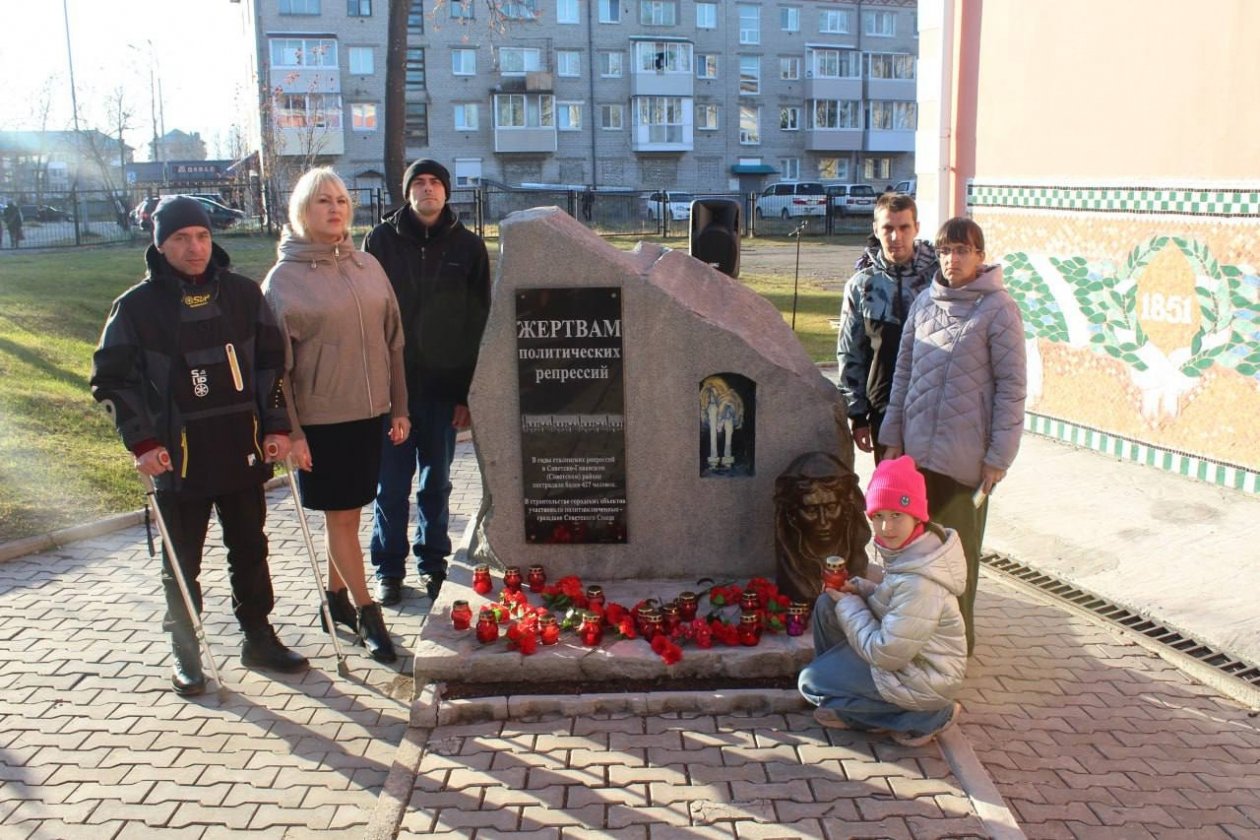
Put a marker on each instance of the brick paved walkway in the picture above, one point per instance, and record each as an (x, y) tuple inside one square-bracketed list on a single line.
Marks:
[(1084, 733)]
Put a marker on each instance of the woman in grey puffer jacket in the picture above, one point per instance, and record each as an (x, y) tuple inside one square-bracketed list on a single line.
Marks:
[(344, 376), (957, 404)]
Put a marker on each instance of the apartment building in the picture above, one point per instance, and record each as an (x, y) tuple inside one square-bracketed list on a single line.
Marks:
[(699, 95)]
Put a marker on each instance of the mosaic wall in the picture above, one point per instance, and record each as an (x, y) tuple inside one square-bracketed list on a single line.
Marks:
[(1142, 314)]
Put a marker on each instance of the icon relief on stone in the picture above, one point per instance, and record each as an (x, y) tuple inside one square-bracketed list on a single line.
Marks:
[(728, 409), (819, 510)]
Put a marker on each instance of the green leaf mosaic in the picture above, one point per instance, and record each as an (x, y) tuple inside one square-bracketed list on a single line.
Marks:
[(1217, 202)]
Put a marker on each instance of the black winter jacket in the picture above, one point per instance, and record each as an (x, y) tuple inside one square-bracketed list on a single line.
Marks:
[(441, 277), (196, 368)]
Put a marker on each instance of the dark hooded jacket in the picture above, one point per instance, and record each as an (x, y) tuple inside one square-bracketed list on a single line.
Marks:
[(441, 277), (195, 368)]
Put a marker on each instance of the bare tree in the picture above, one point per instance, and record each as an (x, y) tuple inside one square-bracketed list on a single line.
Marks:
[(396, 99)]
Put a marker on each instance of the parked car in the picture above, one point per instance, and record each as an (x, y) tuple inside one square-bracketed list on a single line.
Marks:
[(44, 213), (851, 199), (222, 217), (677, 205), (907, 187), (791, 199), (142, 215)]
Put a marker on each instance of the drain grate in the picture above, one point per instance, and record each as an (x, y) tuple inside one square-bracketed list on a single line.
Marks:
[(1116, 614)]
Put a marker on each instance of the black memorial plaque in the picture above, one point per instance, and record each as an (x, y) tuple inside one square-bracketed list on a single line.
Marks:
[(573, 445)]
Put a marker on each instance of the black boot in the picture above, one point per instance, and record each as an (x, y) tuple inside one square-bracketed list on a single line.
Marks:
[(186, 675), (343, 612), (374, 635), (261, 649)]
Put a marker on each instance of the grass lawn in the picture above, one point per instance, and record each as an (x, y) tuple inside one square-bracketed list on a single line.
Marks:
[(62, 464)]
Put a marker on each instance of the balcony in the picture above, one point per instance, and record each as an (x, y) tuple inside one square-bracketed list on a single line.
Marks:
[(834, 88), (900, 140), (833, 139), (510, 140), (899, 89)]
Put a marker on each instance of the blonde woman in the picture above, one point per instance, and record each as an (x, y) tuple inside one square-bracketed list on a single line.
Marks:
[(344, 373)]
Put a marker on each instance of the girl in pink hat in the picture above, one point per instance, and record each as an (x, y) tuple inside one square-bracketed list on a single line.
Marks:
[(892, 656)]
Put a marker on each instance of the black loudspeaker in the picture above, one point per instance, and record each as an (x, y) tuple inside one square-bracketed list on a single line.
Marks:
[(715, 233)]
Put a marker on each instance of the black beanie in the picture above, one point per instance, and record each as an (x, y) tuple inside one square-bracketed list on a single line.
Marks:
[(175, 213), (426, 166)]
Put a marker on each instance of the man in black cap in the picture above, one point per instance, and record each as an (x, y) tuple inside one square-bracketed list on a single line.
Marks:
[(441, 275), (189, 367)]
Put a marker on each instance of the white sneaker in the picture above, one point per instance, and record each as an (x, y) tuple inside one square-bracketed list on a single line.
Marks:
[(907, 740)]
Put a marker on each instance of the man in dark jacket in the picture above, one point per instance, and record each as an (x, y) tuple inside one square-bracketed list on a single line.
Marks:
[(189, 368), (440, 272), (890, 275)]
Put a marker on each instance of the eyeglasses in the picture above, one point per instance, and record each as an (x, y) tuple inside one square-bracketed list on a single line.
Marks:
[(943, 251)]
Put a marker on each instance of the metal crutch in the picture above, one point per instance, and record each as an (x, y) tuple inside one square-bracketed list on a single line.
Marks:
[(342, 667), (199, 629)]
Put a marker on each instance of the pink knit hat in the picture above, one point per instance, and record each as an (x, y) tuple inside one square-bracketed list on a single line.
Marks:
[(897, 485)]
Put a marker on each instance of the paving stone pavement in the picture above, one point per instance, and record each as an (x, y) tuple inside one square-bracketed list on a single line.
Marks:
[(1084, 733)]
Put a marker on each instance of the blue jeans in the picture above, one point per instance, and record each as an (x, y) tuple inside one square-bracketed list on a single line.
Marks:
[(840, 679), (430, 449)]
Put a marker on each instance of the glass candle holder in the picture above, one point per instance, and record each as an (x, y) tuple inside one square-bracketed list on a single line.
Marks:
[(595, 596), (834, 573), (481, 583), (653, 624), (548, 629), (749, 629), (688, 605), (512, 579), (487, 626), (750, 601), (536, 578), (591, 630), (672, 616), (797, 618), (461, 615)]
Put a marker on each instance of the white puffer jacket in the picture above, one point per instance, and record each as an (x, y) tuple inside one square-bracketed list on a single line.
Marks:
[(908, 627), (958, 395)]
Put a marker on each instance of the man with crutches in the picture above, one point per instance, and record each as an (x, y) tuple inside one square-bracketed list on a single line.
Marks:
[(189, 368)]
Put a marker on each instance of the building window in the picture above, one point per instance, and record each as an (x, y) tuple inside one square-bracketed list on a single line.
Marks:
[(517, 61), (879, 24), (610, 11), (299, 7), (790, 19), (416, 124), (519, 9), (833, 169), (706, 16), (612, 117), (876, 169), (461, 9), (790, 118), (835, 64), (568, 63), (790, 68), (894, 116), (836, 113), (362, 61), (516, 110), (467, 172), (414, 80), (662, 57), (359, 8), (569, 116), (790, 169), (663, 117), (707, 117), (308, 110), (749, 24), (833, 21), (890, 66), (415, 27), (749, 125), (610, 65), (363, 116), (706, 66), (303, 52), (567, 11), (466, 116), (749, 75), (658, 12), (464, 62)]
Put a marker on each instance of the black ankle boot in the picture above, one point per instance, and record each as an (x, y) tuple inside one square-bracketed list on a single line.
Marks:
[(187, 678), (343, 612), (261, 649), (374, 635)]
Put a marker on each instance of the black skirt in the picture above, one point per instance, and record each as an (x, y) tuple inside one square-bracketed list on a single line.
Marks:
[(345, 464)]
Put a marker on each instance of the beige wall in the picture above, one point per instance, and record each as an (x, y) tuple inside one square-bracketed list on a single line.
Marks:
[(1118, 88)]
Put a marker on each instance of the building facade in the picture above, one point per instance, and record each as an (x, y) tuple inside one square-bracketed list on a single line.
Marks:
[(679, 94)]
